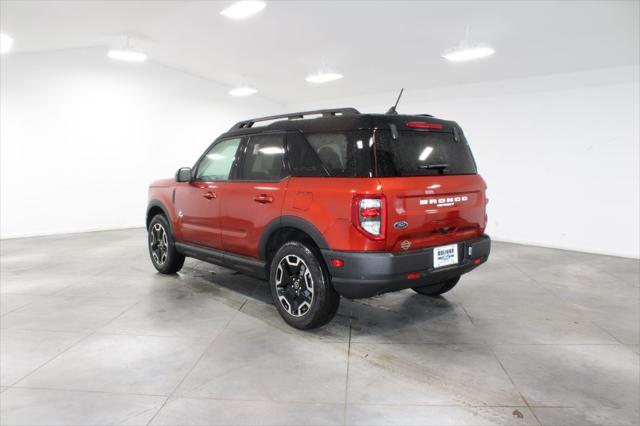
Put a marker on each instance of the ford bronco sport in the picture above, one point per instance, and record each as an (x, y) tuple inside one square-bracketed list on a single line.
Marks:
[(328, 203)]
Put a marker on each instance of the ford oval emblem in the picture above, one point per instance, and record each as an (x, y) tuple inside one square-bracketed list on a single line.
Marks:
[(401, 224)]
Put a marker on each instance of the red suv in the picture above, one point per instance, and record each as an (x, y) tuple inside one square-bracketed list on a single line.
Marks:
[(328, 203)]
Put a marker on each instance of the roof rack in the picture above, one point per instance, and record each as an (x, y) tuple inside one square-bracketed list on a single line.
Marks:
[(296, 115)]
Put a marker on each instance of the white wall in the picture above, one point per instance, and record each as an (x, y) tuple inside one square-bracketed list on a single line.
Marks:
[(82, 136), (559, 153)]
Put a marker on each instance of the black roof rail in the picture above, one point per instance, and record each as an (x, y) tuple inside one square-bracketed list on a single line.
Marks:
[(246, 124)]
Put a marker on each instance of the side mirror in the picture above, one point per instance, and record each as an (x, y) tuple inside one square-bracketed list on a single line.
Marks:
[(183, 174)]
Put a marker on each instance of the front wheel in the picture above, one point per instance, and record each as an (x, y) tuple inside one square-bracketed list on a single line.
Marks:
[(437, 289), (162, 248), (300, 287)]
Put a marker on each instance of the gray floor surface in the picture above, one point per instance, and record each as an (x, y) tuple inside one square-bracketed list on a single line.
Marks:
[(91, 334)]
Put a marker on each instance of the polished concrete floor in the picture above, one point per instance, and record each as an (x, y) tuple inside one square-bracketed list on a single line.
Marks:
[(90, 334)]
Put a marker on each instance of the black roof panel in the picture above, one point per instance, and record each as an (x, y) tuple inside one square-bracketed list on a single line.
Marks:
[(334, 119)]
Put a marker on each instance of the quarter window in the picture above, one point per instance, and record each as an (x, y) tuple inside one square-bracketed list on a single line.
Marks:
[(303, 160), (343, 154), (332, 148), (217, 162), (263, 158)]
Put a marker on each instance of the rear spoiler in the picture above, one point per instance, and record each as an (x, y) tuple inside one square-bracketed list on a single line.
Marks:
[(424, 125)]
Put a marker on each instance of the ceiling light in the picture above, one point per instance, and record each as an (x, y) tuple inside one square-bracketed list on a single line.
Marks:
[(468, 50), (243, 9), (5, 43), (242, 91), (323, 77), (127, 55)]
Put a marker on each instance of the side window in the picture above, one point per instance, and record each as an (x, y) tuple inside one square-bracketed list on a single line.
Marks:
[(303, 160), (217, 162), (263, 158), (332, 148)]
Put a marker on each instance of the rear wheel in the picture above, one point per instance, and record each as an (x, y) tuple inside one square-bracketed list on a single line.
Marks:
[(300, 287), (162, 248), (437, 289)]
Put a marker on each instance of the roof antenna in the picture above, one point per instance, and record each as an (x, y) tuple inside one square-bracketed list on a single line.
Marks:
[(392, 110)]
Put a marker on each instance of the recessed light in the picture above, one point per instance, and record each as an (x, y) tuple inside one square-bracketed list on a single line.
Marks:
[(468, 50), (242, 91), (6, 43), (127, 55), (243, 9), (323, 77)]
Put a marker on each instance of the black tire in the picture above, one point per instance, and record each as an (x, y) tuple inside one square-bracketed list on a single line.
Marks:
[(301, 306), (162, 248), (437, 289)]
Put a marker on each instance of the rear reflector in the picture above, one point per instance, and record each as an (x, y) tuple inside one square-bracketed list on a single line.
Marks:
[(413, 276), (338, 263), (423, 125), (477, 261)]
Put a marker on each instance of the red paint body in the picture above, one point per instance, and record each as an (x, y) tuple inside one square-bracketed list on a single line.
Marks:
[(232, 216), (379, 200)]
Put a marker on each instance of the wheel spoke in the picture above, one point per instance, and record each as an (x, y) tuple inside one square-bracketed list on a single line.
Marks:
[(302, 270), (287, 270)]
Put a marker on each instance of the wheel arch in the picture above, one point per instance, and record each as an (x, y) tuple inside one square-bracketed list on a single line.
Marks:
[(288, 224), (156, 207)]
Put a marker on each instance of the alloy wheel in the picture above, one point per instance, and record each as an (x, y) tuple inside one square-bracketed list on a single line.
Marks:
[(294, 285), (159, 243)]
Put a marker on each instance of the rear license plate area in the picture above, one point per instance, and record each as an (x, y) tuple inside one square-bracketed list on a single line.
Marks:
[(445, 256)]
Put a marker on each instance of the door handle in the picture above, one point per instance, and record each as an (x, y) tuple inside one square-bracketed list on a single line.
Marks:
[(209, 195), (263, 199)]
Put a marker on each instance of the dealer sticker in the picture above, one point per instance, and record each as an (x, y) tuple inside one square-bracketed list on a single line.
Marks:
[(445, 255)]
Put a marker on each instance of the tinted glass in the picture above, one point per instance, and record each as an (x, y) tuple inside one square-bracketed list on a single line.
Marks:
[(263, 158), (303, 160), (217, 162), (343, 154), (422, 154)]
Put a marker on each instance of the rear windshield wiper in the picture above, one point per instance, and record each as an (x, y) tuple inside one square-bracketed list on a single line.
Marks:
[(440, 166)]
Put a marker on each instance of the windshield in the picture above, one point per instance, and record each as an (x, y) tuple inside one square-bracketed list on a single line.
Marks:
[(419, 153)]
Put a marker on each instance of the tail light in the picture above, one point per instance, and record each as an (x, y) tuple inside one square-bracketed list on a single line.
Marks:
[(369, 215)]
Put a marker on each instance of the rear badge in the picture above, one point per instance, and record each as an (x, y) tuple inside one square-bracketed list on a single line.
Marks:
[(405, 245), (401, 224), (444, 201)]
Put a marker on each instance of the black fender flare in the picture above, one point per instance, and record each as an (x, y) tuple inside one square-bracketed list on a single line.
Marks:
[(290, 222), (157, 203)]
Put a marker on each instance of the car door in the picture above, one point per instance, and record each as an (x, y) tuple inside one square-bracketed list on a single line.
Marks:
[(198, 202), (255, 194)]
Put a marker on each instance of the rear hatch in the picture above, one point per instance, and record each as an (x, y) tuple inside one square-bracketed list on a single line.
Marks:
[(433, 192)]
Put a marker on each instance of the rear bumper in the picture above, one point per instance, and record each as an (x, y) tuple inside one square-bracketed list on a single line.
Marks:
[(368, 274)]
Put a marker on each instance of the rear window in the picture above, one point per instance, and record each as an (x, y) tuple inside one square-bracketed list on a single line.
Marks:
[(417, 153)]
